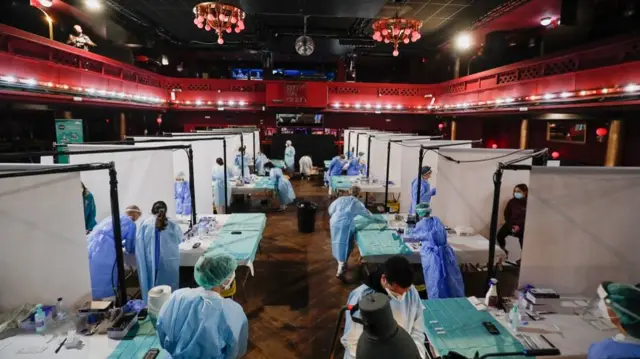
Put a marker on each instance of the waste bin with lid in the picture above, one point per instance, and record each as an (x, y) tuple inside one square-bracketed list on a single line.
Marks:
[(306, 216)]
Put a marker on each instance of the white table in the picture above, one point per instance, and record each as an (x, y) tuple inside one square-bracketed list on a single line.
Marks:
[(379, 188), (95, 347)]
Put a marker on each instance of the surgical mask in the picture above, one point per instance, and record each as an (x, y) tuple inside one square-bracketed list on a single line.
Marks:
[(604, 310), (394, 295), (229, 282), (518, 195)]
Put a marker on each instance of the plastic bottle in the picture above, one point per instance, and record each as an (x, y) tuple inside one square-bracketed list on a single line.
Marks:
[(202, 228), (515, 318), (60, 314), (40, 319), (491, 299)]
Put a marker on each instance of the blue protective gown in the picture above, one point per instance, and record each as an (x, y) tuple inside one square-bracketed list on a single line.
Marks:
[(426, 192), (289, 158), (238, 162), (407, 313), (283, 187), (261, 159), (218, 186), (89, 212), (612, 349), (197, 323), (102, 255), (354, 167), (158, 255), (183, 197), (343, 212), (335, 167), (442, 275)]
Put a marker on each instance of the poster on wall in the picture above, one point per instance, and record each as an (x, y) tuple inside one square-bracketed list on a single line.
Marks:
[(68, 131)]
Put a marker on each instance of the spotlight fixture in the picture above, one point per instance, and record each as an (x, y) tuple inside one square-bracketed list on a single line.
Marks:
[(219, 17), (546, 21), (463, 41), (93, 5)]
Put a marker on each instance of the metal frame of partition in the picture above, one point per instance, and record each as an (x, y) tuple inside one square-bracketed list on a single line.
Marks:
[(130, 140), (497, 186), (121, 292)]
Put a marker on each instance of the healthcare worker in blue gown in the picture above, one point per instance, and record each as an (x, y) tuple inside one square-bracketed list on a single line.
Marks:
[(335, 169), (394, 278), (620, 304), (283, 186), (442, 275), (354, 166), (362, 160), (261, 160), (157, 252), (343, 212), (182, 194), (217, 177), (199, 322), (242, 163), (89, 209), (426, 192), (102, 252), (290, 158)]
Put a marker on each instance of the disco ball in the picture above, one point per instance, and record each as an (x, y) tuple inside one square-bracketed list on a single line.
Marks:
[(305, 45)]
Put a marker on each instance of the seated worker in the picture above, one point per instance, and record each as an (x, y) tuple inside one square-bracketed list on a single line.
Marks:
[(394, 278), (283, 186), (514, 215), (620, 304), (343, 212), (442, 275), (102, 252), (199, 322)]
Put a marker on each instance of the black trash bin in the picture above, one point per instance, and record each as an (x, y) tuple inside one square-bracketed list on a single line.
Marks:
[(306, 216)]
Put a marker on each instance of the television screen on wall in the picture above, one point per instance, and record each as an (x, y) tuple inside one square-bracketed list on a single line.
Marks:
[(301, 119)]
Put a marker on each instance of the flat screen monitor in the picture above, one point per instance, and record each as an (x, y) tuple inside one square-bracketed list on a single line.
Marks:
[(302, 119)]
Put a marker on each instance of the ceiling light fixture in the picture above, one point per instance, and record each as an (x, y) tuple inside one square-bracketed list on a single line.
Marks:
[(93, 5), (545, 21), (218, 17), (397, 30), (463, 41)]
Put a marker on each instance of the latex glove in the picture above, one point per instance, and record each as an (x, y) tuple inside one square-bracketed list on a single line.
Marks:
[(433, 191)]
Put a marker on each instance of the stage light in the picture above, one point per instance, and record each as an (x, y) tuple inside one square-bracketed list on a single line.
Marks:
[(463, 41), (346, 105), (165, 60), (231, 103), (241, 103), (220, 103), (93, 5), (91, 90), (378, 106), (548, 96), (198, 102), (388, 107), (566, 94), (605, 91), (583, 93), (499, 101), (9, 79), (30, 82), (631, 88), (545, 21), (367, 106), (357, 105), (102, 92), (398, 107), (508, 100), (188, 102), (336, 105)]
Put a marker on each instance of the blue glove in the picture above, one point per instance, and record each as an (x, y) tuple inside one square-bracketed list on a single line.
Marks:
[(433, 192)]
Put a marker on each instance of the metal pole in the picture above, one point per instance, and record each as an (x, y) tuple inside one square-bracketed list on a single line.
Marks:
[(254, 151), (419, 180), (493, 229), (224, 155), (368, 155), (241, 157), (386, 182), (192, 187), (357, 144), (348, 143), (121, 296)]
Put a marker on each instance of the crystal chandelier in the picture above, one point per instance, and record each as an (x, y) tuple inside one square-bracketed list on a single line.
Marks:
[(396, 30), (219, 17)]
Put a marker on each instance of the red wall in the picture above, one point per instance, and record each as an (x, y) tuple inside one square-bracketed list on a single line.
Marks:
[(631, 143), (591, 153)]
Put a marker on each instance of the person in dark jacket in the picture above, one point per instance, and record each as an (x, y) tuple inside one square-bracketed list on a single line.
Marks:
[(514, 215)]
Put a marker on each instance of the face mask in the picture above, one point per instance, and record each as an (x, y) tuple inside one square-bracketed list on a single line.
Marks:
[(518, 195), (227, 284), (394, 295)]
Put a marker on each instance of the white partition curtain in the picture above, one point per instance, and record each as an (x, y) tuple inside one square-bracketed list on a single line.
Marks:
[(204, 154), (378, 157), (581, 228), (465, 190), (44, 247), (144, 177)]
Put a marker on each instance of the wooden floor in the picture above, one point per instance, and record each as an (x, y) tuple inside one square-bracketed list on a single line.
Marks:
[(293, 301)]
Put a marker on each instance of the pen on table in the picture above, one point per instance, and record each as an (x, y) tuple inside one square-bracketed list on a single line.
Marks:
[(547, 340), (60, 346)]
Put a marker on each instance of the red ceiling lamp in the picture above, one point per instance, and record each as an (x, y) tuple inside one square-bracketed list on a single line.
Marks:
[(555, 155), (601, 132), (219, 17), (396, 30)]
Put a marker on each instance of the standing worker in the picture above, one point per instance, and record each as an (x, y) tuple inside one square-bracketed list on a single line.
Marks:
[(306, 164), (426, 192), (335, 169), (353, 168), (199, 322), (289, 158), (218, 186), (242, 163), (102, 253), (157, 252), (182, 194), (260, 161), (283, 186), (619, 304), (343, 211), (89, 209)]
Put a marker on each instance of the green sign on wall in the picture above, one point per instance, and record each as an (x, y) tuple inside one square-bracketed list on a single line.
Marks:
[(68, 131)]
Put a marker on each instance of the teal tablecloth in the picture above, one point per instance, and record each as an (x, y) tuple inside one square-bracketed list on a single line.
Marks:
[(138, 342), (246, 222), (266, 183), (365, 224), (242, 246), (341, 183), (278, 163), (327, 163), (381, 242), (462, 330)]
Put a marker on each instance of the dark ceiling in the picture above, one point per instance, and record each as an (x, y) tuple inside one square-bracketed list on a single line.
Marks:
[(335, 25)]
